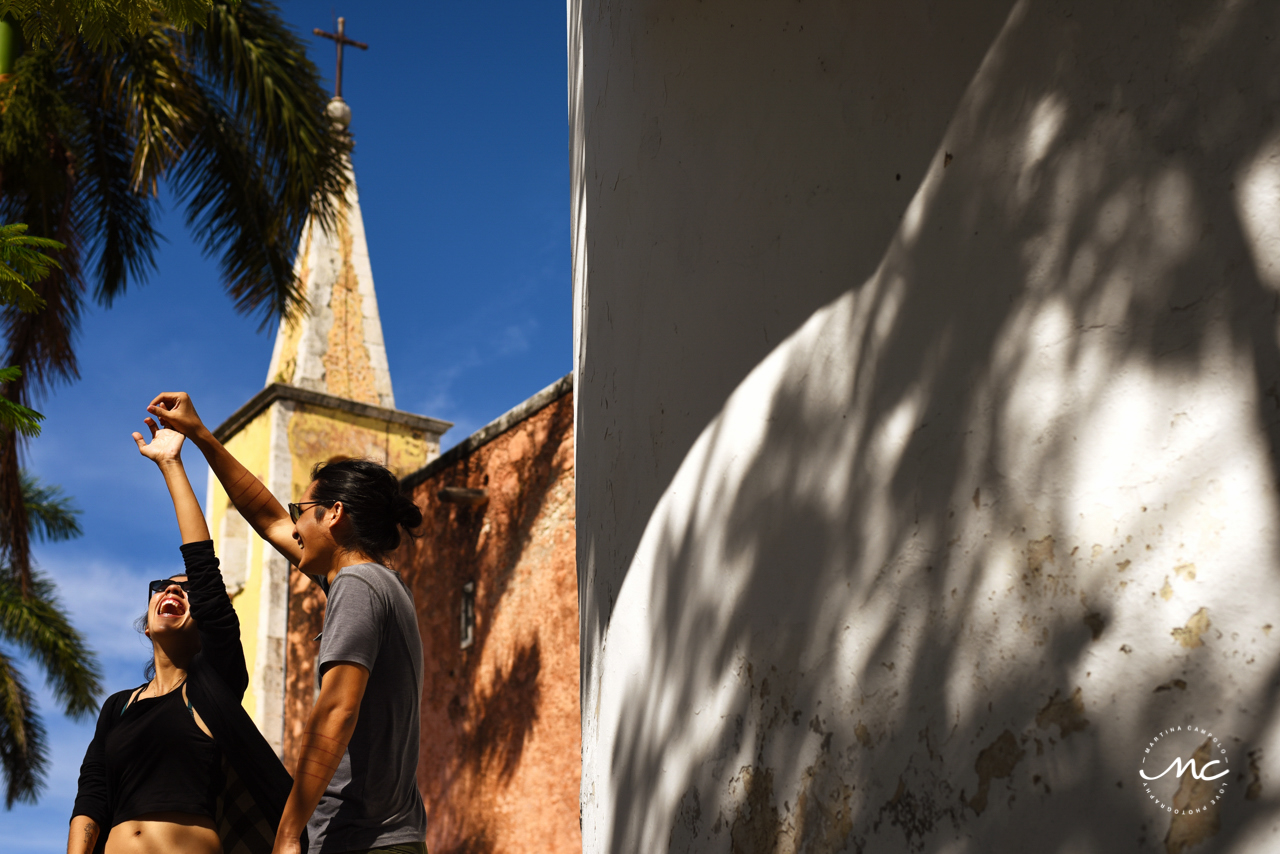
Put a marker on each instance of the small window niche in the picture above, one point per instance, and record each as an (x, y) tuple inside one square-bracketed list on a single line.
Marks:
[(468, 614)]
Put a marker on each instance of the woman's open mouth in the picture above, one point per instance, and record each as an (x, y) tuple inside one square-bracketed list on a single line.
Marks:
[(171, 606)]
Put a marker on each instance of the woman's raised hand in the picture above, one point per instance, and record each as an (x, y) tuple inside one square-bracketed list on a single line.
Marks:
[(174, 409), (165, 445)]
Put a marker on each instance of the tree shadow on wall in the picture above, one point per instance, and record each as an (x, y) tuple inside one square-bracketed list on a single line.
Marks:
[(494, 727), (891, 619), (508, 712)]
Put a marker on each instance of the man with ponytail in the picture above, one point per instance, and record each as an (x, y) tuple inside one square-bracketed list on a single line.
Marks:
[(355, 786)]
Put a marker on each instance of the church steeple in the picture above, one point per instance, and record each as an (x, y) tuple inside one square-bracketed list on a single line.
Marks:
[(334, 344)]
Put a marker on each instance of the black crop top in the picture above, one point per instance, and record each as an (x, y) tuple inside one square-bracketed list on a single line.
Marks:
[(159, 760)]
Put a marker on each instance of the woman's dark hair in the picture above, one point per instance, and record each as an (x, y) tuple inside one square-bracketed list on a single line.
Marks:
[(148, 669), (140, 624), (371, 496)]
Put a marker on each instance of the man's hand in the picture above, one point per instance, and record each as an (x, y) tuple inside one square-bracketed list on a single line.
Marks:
[(165, 446), (175, 410)]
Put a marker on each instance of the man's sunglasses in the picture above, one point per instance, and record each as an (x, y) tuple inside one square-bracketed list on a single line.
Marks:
[(295, 510), (162, 584)]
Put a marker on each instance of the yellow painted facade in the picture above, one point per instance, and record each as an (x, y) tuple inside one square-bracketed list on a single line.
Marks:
[(251, 447), (318, 434)]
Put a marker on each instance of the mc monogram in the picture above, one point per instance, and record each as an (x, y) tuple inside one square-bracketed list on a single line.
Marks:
[(1207, 761), (1202, 774)]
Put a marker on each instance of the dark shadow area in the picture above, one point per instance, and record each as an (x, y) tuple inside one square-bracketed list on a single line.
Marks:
[(508, 711), (894, 599)]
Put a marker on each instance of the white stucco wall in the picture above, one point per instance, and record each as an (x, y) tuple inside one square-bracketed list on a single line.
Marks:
[(927, 421)]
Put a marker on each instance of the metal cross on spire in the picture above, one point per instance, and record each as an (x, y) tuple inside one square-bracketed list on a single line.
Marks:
[(341, 38)]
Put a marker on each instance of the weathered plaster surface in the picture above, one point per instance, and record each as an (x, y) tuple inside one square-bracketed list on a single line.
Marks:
[(334, 344), (252, 446), (499, 767), (926, 362)]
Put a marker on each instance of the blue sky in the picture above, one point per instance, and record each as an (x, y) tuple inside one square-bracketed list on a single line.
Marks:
[(462, 164)]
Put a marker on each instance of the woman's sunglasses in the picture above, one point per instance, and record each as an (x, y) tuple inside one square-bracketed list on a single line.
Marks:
[(295, 510), (162, 584)]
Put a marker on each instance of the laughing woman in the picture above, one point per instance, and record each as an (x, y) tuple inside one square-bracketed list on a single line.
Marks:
[(172, 761)]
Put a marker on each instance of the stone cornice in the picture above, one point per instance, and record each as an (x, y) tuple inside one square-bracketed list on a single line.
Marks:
[(282, 391)]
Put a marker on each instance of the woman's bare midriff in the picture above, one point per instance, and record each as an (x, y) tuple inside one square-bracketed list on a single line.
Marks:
[(163, 833)]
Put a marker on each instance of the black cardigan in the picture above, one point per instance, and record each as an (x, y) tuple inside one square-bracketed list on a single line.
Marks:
[(216, 682)]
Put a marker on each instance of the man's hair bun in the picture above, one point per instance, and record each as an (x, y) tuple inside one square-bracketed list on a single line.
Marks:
[(407, 513)]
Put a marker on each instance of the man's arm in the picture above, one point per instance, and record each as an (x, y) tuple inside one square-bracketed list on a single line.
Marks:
[(254, 501), (328, 732), (82, 836)]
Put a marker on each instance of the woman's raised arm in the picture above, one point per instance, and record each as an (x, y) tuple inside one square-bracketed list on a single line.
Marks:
[(165, 450), (254, 501)]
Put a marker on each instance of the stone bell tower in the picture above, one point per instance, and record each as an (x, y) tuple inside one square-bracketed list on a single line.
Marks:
[(327, 396)]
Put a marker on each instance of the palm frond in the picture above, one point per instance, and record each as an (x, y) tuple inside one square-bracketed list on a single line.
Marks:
[(267, 132), (23, 260), (39, 186), (41, 130), (153, 82), (14, 417), (231, 210), (117, 217), (101, 24), (41, 344), (53, 514), (23, 752), (36, 623)]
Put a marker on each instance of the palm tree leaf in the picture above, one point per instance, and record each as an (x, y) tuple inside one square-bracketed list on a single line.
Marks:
[(231, 208), (84, 137), (119, 218), (23, 260), (152, 81), (36, 623), (38, 186), (100, 24), (266, 158), (53, 514), (40, 344), (14, 417), (23, 752)]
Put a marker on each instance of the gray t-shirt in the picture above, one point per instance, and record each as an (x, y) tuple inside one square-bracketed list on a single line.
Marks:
[(373, 799)]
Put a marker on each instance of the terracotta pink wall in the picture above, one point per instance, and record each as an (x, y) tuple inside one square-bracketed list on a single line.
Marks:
[(501, 736)]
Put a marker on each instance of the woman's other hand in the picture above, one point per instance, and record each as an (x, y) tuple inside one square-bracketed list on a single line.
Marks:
[(165, 445), (174, 409)]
